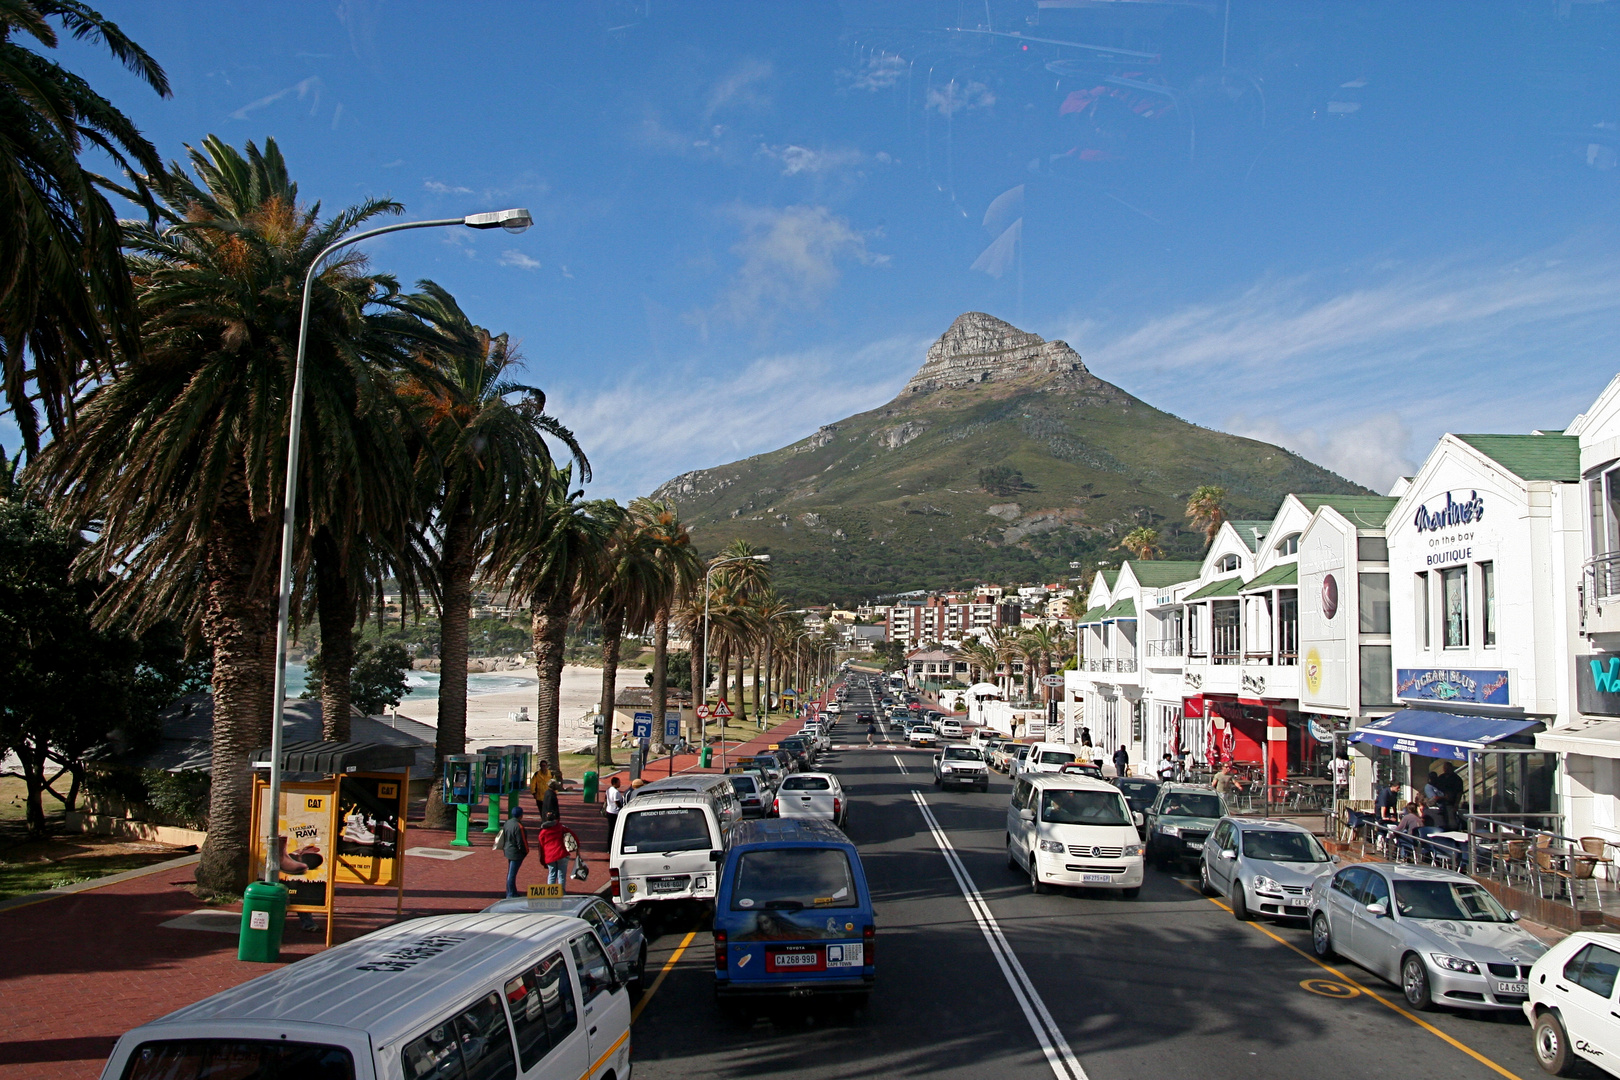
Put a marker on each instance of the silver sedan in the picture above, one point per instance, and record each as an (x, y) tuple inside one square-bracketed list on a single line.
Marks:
[(1438, 935)]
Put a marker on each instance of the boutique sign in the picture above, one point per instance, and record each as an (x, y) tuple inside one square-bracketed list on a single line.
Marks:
[(1597, 684), (1452, 685), (1451, 514)]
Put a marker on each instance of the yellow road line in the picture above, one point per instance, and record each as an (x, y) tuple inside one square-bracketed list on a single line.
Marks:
[(674, 958), (1336, 973)]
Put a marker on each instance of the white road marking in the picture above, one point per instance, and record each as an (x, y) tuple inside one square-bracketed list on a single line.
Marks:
[(1065, 1066), (900, 765)]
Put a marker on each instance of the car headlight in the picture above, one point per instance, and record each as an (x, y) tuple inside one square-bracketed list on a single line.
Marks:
[(1170, 830), (1454, 963), (944, 768), (1265, 885), (1053, 846), (1133, 851)]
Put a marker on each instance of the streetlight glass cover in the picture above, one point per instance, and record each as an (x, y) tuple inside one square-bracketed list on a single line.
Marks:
[(513, 221), (762, 558)]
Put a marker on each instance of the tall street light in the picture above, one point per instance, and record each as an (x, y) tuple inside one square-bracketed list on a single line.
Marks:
[(514, 221), (706, 594)]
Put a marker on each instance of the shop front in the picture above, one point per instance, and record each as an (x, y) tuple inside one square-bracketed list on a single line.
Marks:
[(1497, 759)]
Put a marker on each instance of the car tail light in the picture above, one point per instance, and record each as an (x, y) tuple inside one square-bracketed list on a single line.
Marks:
[(836, 806), (720, 957), (869, 943), (613, 880), (776, 807)]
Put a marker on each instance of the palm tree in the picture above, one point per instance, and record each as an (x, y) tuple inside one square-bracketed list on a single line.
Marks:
[(1205, 510), (682, 571), (1141, 542), (628, 592), (485, 468), (177, 460), (981, 657), (66, 300)]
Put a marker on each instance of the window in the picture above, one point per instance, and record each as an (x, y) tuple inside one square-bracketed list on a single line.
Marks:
[(1226, 635), (1020, 796), (1060, 807), (1288, 545), (1420, 608), (475, 1044), (684, 828), (1377, 675), (1287, 626), (201, 1059), (1594, 968), (1487, 604), (1054, 757), (1348, 882), (1228, 562), (1192, 804), (1373, 602), (595, 973), (1372, 549), (1277, 846), (1375, 890), (810, 783), (542, 1004), (791, 879), (1454, 606)]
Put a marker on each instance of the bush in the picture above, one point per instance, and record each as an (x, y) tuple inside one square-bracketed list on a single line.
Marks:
[(179, 796), (1001, 480)]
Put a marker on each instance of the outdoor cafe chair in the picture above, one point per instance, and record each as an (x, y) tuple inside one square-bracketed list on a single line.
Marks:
[(1550, 866)]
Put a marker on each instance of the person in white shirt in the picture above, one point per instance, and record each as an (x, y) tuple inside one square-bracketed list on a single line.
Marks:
[(1167, 769), (614, 801), (1340, 771)]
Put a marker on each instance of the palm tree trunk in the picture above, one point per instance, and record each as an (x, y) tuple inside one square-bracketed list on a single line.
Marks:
[(660, 677), (723, 671), (235, 613), (455, 585), (700, 677), (612, 637), (742, 677), (335, 605), (550, 628)]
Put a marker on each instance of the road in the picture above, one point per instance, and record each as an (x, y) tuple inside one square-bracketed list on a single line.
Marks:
[(1067, 986)]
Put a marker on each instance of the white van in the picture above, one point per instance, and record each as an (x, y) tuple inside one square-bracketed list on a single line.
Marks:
[(667, 845), (1065, 829), (1048, 757), (483, 995), (714, 785)]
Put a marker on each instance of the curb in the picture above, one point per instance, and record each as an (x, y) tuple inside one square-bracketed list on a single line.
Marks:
[(95, 883)]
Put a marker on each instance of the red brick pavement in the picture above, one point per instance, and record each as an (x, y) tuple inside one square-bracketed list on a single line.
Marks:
[(80, 970)]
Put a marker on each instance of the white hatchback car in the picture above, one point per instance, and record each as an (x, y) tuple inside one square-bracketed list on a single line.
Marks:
[(921, 735), (812, 795), (949, 729), (1572, 1004)]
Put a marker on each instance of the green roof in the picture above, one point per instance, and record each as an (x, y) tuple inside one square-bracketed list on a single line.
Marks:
[(1156, 575), (1092, 615), (1532, 457), (1246, 532), (1124, 609), (1109, 577), (1282, 574), (1224, 587), (1363, 511)]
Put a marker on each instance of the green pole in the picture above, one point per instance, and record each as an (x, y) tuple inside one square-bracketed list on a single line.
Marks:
[(463, 813), (494, 814), (511, 802)]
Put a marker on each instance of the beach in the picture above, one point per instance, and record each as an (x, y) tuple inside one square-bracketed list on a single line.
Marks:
[(487, 713)]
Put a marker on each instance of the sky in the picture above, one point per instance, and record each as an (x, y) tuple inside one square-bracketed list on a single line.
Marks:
[(1346, 227)]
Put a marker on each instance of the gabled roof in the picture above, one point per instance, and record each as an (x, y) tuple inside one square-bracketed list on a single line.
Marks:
[(1247, 531), (1093, 615), (1156, 575), (1109, 577), (1284, 574), (1532, 457), (1364, 511), (1124, 609), (1224, 587)]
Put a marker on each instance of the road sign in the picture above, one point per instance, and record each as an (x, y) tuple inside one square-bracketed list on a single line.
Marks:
[(672, 725), (721, 710), (702, 712), (1051, 680), (642, 728)]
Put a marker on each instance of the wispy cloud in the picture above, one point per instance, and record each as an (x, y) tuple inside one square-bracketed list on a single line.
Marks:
[(1372, 450), (799, 159), (306, 89), (440, 188), (791, 258), (511, 257), (878, 73), (955, 97), (647, 429), (741, 89)]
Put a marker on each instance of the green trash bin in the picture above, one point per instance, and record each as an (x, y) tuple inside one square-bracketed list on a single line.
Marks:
[(264, 917), (706, 757), (590, 782)]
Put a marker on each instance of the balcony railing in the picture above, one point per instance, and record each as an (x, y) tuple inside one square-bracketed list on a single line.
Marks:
[(1603, 577), (1168, 647), (1231, 658)]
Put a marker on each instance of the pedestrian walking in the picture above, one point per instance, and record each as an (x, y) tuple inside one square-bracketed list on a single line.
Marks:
[(1085, 736), (512, 842), (1225, 783), (613, 802), (557, 842), (538, 784), (1339, 769), (1167, 768), (548, 802), (871, 730), (1451, 787), (1122, 761)]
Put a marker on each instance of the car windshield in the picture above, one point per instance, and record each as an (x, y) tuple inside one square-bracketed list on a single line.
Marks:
[(743, 785), (1055, 757), (1461, 900), (1283, 846), (1084, 808), (806, 783), (922, 729), (963, 753), (767, 762), (681, 828), (794, 878), (1191, 804)]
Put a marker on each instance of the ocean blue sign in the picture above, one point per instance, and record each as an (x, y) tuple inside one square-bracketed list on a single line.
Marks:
[(642, 728), (1597, 684), (1451, 684)]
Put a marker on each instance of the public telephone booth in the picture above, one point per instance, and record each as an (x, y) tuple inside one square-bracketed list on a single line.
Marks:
[(492, 784), (460, 791)]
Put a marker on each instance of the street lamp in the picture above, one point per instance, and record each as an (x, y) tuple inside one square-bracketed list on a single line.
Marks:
[(712, 568), (514, 221)]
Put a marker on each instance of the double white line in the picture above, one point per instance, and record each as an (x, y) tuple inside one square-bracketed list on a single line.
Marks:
[(1065, 1066)]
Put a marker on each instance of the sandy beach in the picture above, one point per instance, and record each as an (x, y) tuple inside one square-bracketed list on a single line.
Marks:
[(487, 720)]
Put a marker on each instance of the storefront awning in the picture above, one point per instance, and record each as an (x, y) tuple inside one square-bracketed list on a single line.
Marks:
[(1594, 738), (1439, 734)]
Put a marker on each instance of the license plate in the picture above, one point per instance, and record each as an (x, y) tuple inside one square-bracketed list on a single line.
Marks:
[(1100, 879), (666, 885), (1196, 845), (794, 961), (1512, 987)]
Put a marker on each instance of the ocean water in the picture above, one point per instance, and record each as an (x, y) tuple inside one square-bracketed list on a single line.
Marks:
[(423, 685)]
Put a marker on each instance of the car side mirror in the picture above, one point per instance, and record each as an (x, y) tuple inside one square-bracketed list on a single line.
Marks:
[(1377, 909), (1228, 854), (1333, 858), (622, 971), (1514, 915), (1140, 820), (1026, 814), (717, 856)]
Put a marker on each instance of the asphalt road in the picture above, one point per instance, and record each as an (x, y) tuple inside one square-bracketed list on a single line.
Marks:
[(1072, 986)]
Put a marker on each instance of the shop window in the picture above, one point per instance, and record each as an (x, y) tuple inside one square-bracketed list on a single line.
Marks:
[(1373, 603), (1377, 678), (1372, 549), (1420, 608), (1288, 545), (1454, 607), (1487, 604)]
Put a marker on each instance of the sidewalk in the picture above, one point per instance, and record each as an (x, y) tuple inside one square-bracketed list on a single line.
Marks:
[(81, 969)]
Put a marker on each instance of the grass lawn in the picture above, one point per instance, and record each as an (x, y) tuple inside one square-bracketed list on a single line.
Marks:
[(63, 858), (26, 876), (14, 802)]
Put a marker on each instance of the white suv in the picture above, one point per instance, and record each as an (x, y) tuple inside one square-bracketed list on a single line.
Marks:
[(962, 765), (949, 729), (1572, 1003), (921, 735)]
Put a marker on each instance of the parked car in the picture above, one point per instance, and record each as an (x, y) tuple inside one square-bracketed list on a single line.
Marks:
[(1438, 935), (1179, 822), (752, 793), (794, 916), (622, 939), (1088, 768), (948, 728), (802, 749), (665, 847), (961, 765), (1264, 867), (812, 795), (1139, 792), (1017, 755), (772, 766), (1072, 830), (749, 767), (1049, 757), (833, 708), (1571, 1003), (921, 735)]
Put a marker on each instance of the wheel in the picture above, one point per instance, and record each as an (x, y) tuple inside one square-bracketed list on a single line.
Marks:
[(1321, 937), (1415, 982), (939, 785), (1240, 906), (1131, 893), (984, 788), (1204, 885), (1552, 1045), (1012, 863), (1036, 885), (639, 979)]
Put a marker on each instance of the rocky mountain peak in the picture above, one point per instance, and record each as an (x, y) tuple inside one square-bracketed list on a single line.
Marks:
[(980, 348)]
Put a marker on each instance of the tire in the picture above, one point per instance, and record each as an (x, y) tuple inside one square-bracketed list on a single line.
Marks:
[(1321, 937), (1204, 885), (1240, 904), (1415, 983), (1036, 885), (984, 788), (1131, 893), (939, 785), (638, 979), (1012, 863), (1552, 1045)]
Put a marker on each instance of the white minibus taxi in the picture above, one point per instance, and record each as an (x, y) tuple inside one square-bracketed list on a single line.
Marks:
[(485, 995), (714, 785), (667, 846), (1068, 829)]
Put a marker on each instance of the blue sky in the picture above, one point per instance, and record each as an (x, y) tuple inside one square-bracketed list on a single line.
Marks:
[(1369, 224)]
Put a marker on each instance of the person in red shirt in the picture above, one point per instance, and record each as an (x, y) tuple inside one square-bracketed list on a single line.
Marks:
[(557, 843)]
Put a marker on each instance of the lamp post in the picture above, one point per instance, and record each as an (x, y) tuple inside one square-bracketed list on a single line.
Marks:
[(511, 221), (706, 594)]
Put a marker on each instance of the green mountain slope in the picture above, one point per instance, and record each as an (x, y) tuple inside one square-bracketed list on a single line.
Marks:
[(896, 499)]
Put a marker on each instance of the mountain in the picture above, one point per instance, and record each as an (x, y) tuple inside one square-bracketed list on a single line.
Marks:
[(1002, 459)]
